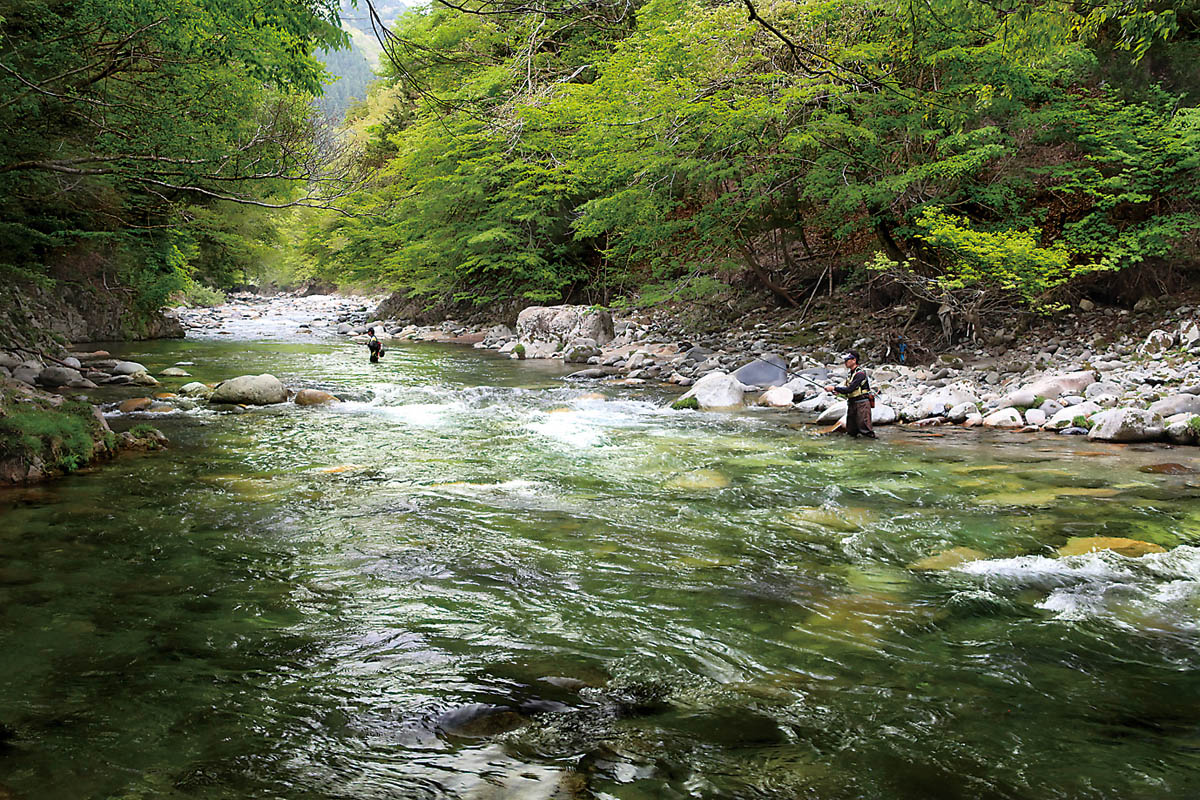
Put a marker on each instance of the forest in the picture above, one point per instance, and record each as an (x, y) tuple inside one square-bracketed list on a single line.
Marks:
[(981, 153)]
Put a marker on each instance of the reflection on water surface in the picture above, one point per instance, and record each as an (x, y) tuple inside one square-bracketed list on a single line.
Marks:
[(473, 581)]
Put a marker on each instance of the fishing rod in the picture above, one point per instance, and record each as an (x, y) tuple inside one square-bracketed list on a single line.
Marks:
[(787, 371)]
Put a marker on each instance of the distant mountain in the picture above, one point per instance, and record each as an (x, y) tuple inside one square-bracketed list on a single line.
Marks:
[(354, 69)]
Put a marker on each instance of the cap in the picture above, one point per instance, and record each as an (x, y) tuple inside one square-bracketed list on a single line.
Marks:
[(370, 330), (849, 354)]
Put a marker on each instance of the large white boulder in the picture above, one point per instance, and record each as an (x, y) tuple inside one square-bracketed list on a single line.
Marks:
[(559, 325), (1127, 425), (776, 397), (1004, 418), (252, 390), (1035, 416), (941, 400), (834, 413), (127, 368), (717, 391), (883, 414), (1066, 417), (1177, 404), (1055, 386)]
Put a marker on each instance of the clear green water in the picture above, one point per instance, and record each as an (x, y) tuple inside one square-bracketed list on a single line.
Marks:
[(512, 591)]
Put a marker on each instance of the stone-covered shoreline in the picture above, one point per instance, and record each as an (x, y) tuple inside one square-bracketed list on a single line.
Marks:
[(1129, 389)]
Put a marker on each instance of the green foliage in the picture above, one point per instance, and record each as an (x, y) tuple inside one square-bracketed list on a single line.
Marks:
[(1082, 422), (122, 121), (686, 404), (973, 141)]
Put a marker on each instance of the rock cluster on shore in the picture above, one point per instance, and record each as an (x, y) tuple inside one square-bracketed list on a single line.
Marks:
[(1127, 390)]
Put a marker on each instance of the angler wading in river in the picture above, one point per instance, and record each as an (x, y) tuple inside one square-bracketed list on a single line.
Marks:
[(374, 346), (858, 398)]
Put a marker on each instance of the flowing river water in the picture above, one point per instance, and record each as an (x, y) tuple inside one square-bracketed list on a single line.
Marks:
[(477, 580)]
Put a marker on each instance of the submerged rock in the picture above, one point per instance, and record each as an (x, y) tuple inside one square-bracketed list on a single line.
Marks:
[(255, 390), (699, 479), (1081, 545), (948, 559), (134, 404), (314, 397)]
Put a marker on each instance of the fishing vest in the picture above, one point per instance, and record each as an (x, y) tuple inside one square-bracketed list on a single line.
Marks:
[(861, 391)]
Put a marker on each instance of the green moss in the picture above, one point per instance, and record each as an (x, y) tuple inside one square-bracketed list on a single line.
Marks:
[(1194, 424), (1082, 422), (519, 350), (1038, 401), (686, 404), (63, 438)]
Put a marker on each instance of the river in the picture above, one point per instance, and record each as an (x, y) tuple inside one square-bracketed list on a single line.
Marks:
[(477, 580)]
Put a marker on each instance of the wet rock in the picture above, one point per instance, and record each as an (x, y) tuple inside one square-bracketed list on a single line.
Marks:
[(1127, 425), (175, 372), (118, 380), (152, 439), (1081, 545), (776, 397), (314, 397), (194, 389), (127, 368), (1167, 469), (255, 390), (766, 370), (54, 377), (717, 391), (134, 404), (143, 378)]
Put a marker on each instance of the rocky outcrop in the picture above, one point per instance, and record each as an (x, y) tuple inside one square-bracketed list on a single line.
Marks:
[(250, 390), (560, 325)]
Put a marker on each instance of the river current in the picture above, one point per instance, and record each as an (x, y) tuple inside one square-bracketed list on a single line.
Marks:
[(476, 579)]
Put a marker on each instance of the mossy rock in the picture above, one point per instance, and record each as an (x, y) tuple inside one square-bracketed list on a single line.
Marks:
[(686, 404)]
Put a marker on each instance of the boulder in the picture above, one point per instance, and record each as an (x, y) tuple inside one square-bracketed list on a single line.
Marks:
[(175, 372), (816, 404), (580, 350), (960, 412), (127, 368), (1177, 404), (1101, 387), (561, 324), (194, 389), (834, 413), (1054, 386), (314, 397), (883, 414), (54, 377), (776, 397), (1184, 432), (1035, 416), (766, 370), (697, 354), (939, 401), (1066, 418), (1004, 418), (135, 404), (1127, 425), (716, 391), (253, 390), (143, 379), (9, 361), (1022, 398), (26, 374), (1157, 343)]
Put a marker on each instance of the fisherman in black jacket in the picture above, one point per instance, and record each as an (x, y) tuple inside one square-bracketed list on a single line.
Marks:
[(858, 398)]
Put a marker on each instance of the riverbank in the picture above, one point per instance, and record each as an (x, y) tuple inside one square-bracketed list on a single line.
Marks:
[(1109, 374)]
